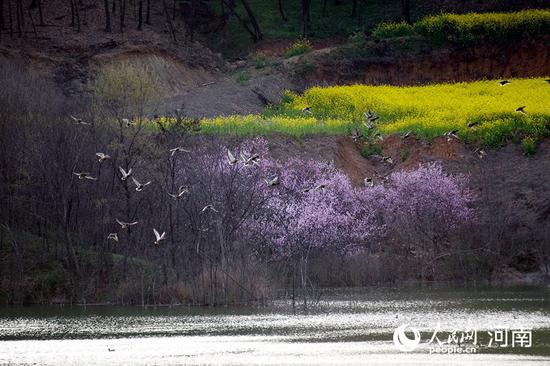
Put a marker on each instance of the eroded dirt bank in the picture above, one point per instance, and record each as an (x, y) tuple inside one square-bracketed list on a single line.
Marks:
[(528, 58), (205, 85)]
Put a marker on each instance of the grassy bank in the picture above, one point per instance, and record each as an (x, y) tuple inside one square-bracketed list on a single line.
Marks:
[(428, 111), (472, 28)]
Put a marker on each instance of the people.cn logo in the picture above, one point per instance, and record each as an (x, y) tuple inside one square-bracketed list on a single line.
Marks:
[(402, 341)]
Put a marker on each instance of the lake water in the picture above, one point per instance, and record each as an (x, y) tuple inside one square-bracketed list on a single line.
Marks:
[(351, 327)]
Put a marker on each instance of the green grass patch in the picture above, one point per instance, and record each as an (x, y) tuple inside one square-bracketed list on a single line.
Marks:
[(261, 61), (529, 145), (252, 125), (299, 47), (392, 30), (243, 77), (370, 149)]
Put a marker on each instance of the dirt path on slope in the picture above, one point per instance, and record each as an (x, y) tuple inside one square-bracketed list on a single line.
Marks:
[(225, 95)]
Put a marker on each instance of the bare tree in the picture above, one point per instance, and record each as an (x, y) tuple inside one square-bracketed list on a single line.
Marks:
[(250, 24), (122, 10), (305, 17), (406, 10), (1, 17), (252, 18), (140, 15), (169, 21), (282, 10), (20, 18), (107, 16)]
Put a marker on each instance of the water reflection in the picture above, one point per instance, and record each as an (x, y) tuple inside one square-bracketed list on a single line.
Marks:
[(348, 327)]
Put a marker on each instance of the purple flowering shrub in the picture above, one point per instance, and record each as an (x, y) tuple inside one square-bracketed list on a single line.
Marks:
[(424, 207), (313, 208)]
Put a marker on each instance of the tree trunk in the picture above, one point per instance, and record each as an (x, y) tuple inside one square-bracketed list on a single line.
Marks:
[(77, 13), (305, 17), (282, 10), (19, 14), (72, 12), (107, 17), (252, 18), (169, 20), (294, 286), (406, 10), (148, 14), (303, 279), (33, 25), (122, 4), (174, 9), (140, 15), (10, 18), (40, 13), (1, 17), (354, 9)]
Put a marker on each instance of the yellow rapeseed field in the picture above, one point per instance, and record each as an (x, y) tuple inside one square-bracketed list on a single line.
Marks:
[(428, 111), (435, 109)]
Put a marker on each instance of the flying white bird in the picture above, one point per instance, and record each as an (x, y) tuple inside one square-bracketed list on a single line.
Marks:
[(177, 150), (378, 136), (272, 182), (79, 121), (140, 186), (102, 157), (128, 123), (451, 135), (159, 237), (480, 153), (183, 190), (370, 118), (231, 159), (83, 175), (126, 225), (321, 187), (113, 236), (125, 174), (209, 207), (252, 159), (356, 135)]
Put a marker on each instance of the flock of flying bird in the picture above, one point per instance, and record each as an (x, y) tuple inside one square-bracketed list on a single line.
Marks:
[(371, 117), (254, 159), (251, 159), (369, 122)]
